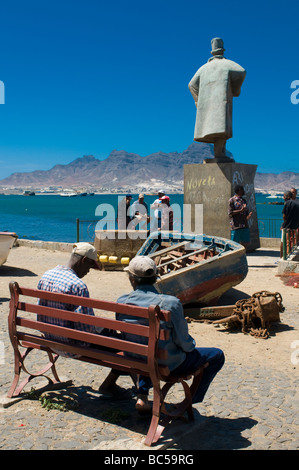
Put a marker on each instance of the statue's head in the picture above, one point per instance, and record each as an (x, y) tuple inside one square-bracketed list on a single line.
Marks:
[(217, 46)]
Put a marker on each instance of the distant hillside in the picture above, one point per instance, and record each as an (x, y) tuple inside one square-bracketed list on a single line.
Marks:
[(277, 182), (127, 170), (119, 169)]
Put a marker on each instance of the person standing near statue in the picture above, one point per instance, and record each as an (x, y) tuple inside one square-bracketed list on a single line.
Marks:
[(294, 193), (290, 215), (155, 206), (238, 215), (213, 87), (167, 214), (124, 212), (139, 212)]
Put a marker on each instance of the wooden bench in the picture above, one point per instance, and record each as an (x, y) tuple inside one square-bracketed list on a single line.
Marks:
[(27, 332)]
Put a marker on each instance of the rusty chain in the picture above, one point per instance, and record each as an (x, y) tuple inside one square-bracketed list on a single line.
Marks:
[(245, 309)]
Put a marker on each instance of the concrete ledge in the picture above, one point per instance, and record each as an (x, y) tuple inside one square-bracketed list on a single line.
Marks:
[(67, 247), (269, 242), (287, 266), (54, 246), (290, 265)]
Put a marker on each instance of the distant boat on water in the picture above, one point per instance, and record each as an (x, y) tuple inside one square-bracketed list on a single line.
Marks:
[(278, 199), (275, 196), (67, 193), (29, 193), (70, 193)]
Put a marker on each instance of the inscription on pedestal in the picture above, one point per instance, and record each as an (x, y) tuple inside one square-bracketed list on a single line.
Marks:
[(212, 185)]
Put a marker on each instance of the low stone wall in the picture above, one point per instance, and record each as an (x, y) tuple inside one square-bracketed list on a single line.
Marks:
[(270, 242), (67, 247), (54, 246)]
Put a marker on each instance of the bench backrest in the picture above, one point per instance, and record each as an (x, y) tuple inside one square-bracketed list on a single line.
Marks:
[(27, 331)]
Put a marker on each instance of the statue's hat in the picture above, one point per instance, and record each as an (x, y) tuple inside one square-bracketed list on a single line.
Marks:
[(217, 46)]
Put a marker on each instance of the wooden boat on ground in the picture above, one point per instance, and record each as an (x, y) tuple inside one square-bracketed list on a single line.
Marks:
[(195, 268), (7, 240)]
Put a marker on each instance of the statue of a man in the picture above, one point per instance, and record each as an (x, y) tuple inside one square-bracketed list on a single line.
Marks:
[(213, 87)]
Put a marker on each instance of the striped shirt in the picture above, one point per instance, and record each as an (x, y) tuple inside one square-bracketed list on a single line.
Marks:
[(64, 280)]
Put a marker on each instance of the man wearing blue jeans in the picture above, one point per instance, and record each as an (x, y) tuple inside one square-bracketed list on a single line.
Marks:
[(183, 355)]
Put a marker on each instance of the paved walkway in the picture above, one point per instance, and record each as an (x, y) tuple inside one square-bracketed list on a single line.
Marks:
[(249, 406)]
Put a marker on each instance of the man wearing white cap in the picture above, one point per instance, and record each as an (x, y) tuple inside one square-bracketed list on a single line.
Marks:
[(156, 220), (183, 355), (140, 205), (68, 280)]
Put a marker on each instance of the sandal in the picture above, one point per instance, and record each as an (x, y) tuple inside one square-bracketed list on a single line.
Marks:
[(142, 405)]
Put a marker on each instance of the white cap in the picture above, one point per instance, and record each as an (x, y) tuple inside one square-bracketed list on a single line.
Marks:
[(142, 266), (88, 250), (161, 191)]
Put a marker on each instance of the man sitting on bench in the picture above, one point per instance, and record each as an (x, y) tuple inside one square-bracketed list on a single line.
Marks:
[(183, 355), (68, 280)]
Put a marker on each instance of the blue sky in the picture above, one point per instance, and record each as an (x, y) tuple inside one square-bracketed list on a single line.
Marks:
[(87, 77)]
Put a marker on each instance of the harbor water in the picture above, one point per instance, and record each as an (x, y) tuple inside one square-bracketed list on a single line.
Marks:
[(53, 217)]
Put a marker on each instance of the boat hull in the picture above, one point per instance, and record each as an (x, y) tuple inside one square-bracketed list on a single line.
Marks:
[(206, 281), (7, 240)]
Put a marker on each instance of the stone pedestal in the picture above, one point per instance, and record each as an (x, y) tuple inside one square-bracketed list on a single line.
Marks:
[(212, 185)]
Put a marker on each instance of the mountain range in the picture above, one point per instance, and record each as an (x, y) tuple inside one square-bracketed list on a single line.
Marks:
[(128, 171)]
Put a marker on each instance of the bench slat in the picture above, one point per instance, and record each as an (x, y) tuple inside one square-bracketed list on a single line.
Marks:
[(106, 357), (92, 338), (91, 303), (97, 321), (132, 366)]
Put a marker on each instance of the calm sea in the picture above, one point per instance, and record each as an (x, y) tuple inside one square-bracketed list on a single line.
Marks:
[(53, 218)]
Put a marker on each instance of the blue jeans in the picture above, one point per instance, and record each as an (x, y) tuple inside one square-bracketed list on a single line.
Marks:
[(194, 359)]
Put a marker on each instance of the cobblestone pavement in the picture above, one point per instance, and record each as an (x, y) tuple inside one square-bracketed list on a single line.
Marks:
[(245, 410), (251, 405)]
